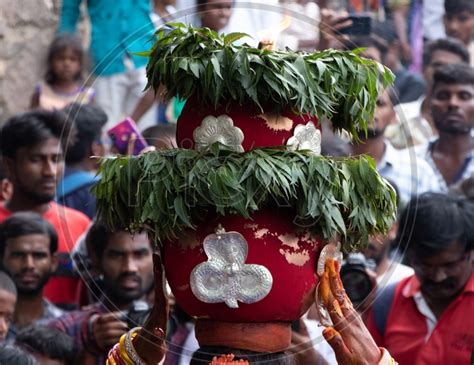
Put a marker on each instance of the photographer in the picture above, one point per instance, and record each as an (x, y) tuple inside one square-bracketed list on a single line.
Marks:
[(125, 261)]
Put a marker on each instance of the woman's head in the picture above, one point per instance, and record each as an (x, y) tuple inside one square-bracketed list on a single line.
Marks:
[(215, 14), (65, 59)]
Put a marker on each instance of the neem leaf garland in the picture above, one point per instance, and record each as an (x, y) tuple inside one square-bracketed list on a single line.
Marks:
[(167, 191), (339, 85)]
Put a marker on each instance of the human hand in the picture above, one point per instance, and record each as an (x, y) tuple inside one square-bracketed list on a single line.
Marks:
[(330, 24), (349, 338), (150, 341), (107, 329)]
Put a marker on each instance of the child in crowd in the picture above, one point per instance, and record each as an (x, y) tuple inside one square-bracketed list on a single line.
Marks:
[(62, 84)]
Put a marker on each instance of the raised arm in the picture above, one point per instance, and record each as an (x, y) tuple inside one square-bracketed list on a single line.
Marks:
[(70, 12)]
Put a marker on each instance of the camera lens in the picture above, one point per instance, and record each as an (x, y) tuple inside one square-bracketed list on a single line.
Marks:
[(357, 285)]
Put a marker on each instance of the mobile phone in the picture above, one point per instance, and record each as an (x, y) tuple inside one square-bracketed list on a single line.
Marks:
[(121, 134), (361, 25)]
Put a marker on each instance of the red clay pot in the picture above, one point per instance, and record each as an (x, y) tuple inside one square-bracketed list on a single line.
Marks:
[(274, 241)]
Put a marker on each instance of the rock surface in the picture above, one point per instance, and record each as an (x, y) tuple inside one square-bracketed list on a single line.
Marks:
[(27, 28)]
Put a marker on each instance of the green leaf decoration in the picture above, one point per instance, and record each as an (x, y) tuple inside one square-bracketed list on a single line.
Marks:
[(198, 62), (165, 192)]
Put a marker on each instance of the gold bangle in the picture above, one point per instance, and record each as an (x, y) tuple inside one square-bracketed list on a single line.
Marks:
[(123, 351), (130, 349)]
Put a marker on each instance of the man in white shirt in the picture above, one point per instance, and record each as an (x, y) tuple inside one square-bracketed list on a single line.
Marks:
[(451, 155), (412, 175), (415, 125), (388, 269)]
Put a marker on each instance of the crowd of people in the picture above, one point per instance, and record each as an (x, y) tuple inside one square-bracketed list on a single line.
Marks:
[(70, 287)]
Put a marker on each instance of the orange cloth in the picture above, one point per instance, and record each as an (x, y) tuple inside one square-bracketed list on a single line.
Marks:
[(70, 224), (450, 342)]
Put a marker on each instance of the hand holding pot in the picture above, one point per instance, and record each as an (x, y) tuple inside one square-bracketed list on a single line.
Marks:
[(150, 341), (349, 338)]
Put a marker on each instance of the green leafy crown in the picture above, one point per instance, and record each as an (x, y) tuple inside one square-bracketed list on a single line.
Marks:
[(165, 192), (198, 62)]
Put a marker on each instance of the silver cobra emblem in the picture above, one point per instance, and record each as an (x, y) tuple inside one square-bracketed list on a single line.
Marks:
[(220, 129), (305, 137), (225, 277)]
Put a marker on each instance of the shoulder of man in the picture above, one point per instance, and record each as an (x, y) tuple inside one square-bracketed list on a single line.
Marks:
[(383, 302), (69, 214), (71, 322)]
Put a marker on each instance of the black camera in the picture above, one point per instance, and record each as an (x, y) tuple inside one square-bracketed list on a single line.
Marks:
[(136, 316), (355, 278)]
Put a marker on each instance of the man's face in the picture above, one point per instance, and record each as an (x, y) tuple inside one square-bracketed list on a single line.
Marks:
[(439, 59), (452, 108), (7, 307), (460, 26), (383, 116), (379, 245), (35, 170), (127, 266), (66, 65), (444, 274), (29, 262), (216, 14)]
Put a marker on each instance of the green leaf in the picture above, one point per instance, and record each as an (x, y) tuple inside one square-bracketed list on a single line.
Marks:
[(172, 189), (217, 67), (232, 37), (339, 85)]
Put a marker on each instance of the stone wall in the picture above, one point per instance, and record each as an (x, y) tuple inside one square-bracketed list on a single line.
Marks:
[(26, 29)]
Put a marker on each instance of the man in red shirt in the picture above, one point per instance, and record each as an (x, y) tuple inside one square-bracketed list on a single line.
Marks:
[(427, 318), (32, 146)]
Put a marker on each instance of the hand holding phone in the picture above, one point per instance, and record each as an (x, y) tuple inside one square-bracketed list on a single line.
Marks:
[(361, 25), (126, 138)]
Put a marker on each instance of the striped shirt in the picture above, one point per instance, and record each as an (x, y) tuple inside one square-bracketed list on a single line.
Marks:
[(412, 174)]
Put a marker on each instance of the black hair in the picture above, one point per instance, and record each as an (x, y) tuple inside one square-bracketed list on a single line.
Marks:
[(30, 128), (47, 341), (431, 222), (464, 188), (202, 3), (7, 284), (13, 355), (454, 74), (366, 41), (24, 223), (97, 238), (204, 356), (88, 121), (385, 31), (3, 174), (59, 44), (159, 132), (458, 6), (450, 45)]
